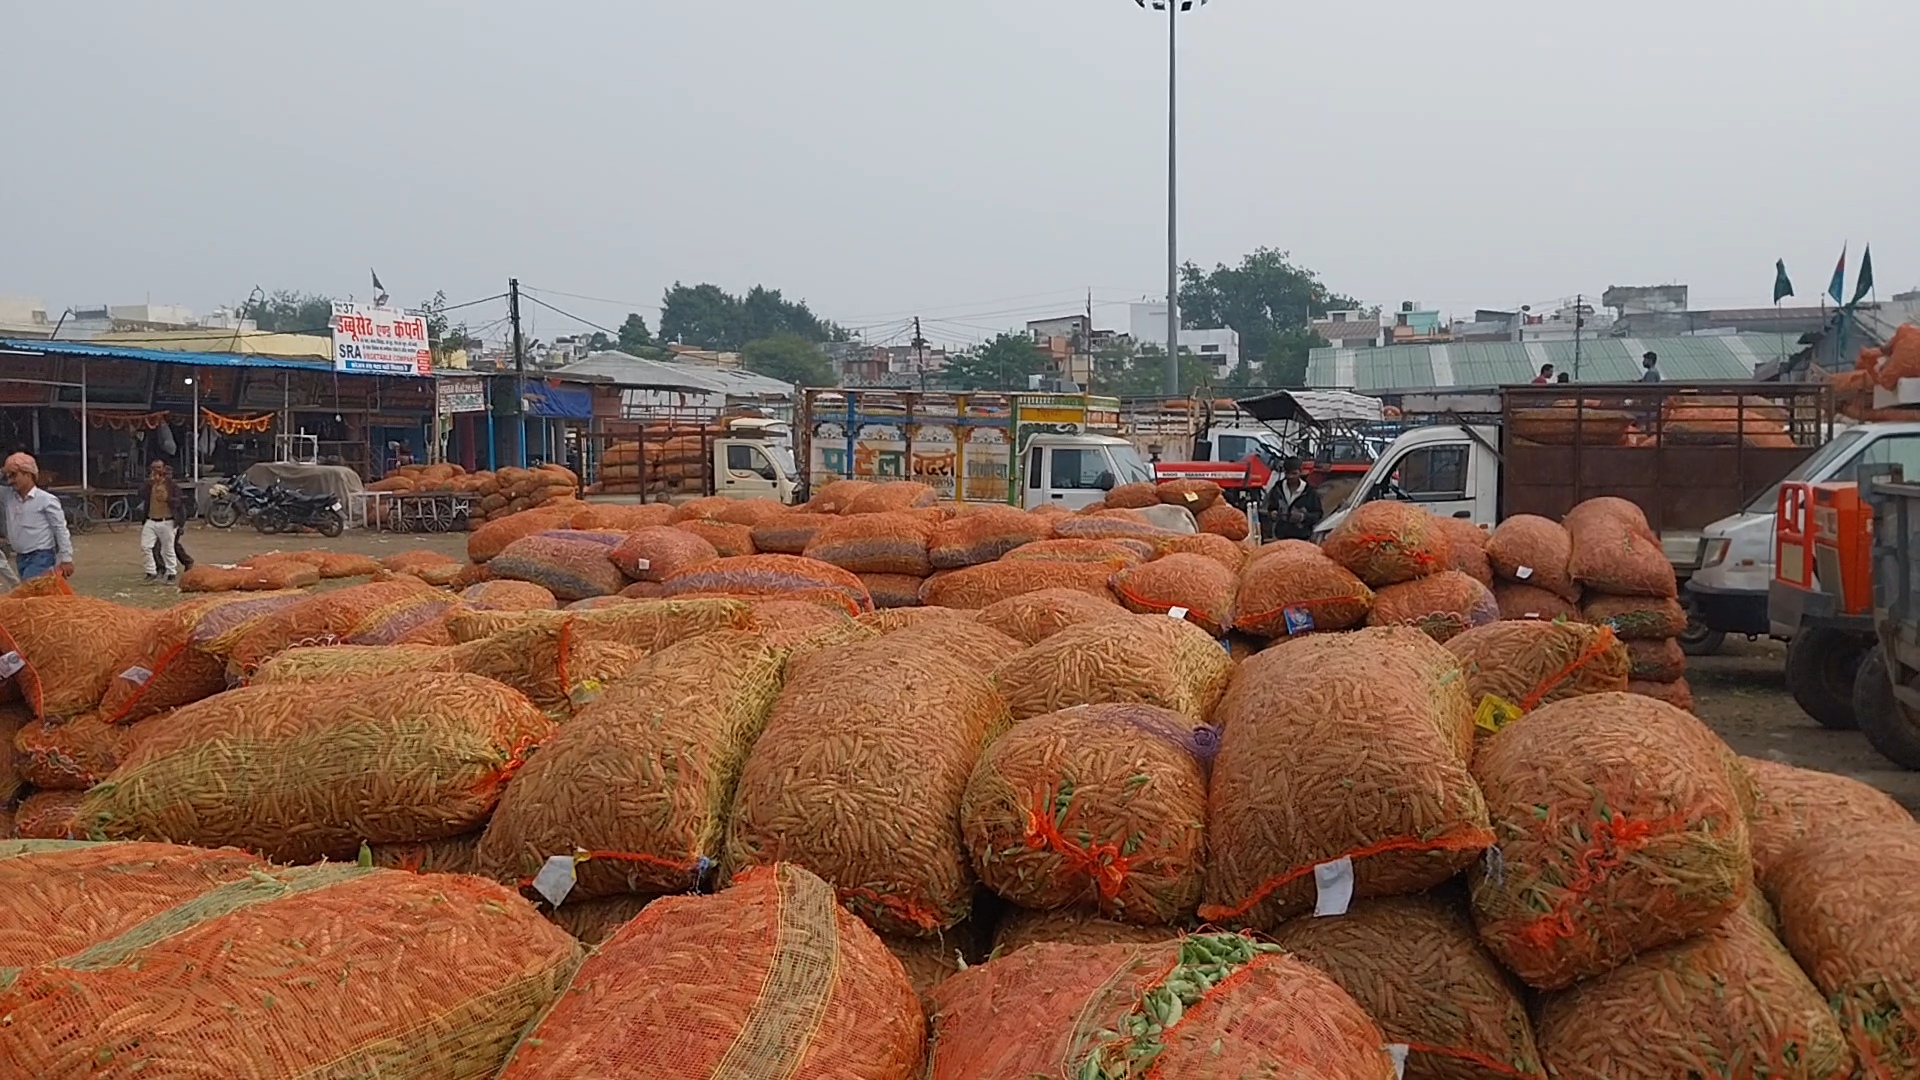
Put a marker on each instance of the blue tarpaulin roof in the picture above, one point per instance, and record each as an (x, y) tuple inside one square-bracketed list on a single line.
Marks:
[(557, 402), (81, 350)]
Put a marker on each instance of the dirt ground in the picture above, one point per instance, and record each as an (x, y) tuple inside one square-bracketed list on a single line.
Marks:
[(1741, 693)]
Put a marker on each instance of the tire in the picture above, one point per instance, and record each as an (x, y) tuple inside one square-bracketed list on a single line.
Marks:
[(222, 514), (1700, 641), (269, 522), (1821, 665), (1888, 725), (328, 523)]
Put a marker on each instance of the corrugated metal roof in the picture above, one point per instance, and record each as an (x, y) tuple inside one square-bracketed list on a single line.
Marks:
[(1397, 368), (89, 350), (636, 373)]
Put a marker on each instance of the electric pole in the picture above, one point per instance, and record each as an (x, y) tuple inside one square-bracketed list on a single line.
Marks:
[(519, 367), (920, 354), (1579, 324)]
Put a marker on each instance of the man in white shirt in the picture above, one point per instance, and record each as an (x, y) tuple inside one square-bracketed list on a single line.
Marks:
[(36, 522)]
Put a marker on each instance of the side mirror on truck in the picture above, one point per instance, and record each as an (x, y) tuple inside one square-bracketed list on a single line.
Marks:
[(1104, 481)]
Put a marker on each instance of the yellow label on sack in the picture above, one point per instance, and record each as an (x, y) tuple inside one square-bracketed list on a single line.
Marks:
[(1495, 712), (1191, 497)]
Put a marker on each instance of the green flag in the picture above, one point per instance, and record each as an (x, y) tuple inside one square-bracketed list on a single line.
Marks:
[(1782, 286), (1866, 277)]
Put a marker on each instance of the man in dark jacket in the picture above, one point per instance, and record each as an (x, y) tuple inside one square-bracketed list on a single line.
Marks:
[(1291, 508), (162, 508)]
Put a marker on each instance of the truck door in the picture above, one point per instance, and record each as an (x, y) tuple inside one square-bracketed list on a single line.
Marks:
[(744, 471), (1069, 476), (1439, 479)]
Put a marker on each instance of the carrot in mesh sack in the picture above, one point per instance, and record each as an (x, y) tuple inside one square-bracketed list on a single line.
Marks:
[(1519, 602), (751, 512), (1101, 805), (635, 787), (1637, 618), (1440, 605), (506, 595), (1386, 542), (304, 772), (594, 921), (928, 962), (789, 534), (454, 855), (983, 537), (1622, 827), (1136, 659), (1207, 1005), (44, 585), (1675, 693), (1109, 528), (976, 587), (491, 538), (1528, 664), (1020, 927), (1193, 495), (58, 902), (1115, 554), (49, 815), (1036, 616), (730, 541), (1197, 587), (1729, 1002), (1342, 775), (308, 971), (1618, 555), (1657, 661), (893, 590), (894, 620), (12, 719), (1527, 549), (891, 496), (183, 658), (652, 554), (73, 754), (1414, 964), (859, 774), (835, 496), (1291, 591), (1222, 519), (336, 663), (770, 576), (1227, 553), (1792, 805), (1848, 914), (1134, 496), (570, 565), (541, 654), (875, 543), (401, 611), (806, 990), (57, 653)]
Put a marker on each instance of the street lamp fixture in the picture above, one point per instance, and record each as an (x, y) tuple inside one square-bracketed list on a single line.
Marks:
[(1173, 11)]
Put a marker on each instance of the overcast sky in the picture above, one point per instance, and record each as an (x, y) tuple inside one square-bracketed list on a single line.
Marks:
[(981, 162)]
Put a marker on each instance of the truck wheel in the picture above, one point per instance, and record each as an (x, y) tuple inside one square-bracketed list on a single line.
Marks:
[(1887, 724), (1821, 665), (1697, 640)]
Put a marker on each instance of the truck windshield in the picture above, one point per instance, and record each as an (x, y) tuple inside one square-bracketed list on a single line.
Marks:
[(1843, 446), (1128, 466)]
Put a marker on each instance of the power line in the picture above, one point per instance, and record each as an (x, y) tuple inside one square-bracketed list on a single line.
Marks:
[(528, 293), (629, 304)]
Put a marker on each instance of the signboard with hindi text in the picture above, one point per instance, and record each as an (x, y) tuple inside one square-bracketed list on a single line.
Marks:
[(379, 341), (463, 395)]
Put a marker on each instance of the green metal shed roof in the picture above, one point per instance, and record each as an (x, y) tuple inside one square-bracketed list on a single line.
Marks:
[(1397, 368)]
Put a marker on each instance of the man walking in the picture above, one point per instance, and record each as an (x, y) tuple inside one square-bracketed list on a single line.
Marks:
[(1292, 507), (161, 499), (36, 523)]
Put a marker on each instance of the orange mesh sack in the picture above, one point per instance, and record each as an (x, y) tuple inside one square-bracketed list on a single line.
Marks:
[(304, 772), (859, 776), (890, 496), (1791, 805), (1197, 587), (750, 512), (58, 754), (1413, 963), (451, 856), (835, 496), (44, 585), (12, 719), (1136, 660), (1222, 519), (1730, 1002), (1621, 828), (894, 620), (1637, 618), (1676, 693), (771, 576), (1530, 550), (594, 921), (1136, 496), (790, 533), (893, 590), (1193, 495), (1342, 775), (622, 518), (1021, 927), (730, 541), (636, 786), (1530, 664), (492, 538), (337, 663), (404, 611), (412, 561), (1848, 914), (1103, 806), (298, 973), (1612, 554), (506, 595), (1386, 542), (769, 978), (977, 587), (1036, 616), (571, 565), (1115, 554), (984, 536), (49, 815), (184, 656), (57, 653), (1657, 661), (1218, 548), (1441, 605), (1467, 548), (928, 962), (1211, 1005), (876, 543), (656, 553), (547, 656), (704, 508), (1519, 602), (1293, 592), (1108, 528)]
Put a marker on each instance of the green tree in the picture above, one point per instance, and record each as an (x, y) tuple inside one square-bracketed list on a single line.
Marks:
[(443, 336), (286, 311), (1005, 363), (634, 335), (789, 358), (1136, 372), (1271, 302), (708, 317)]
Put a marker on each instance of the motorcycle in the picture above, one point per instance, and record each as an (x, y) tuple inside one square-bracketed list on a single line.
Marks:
[(233, 501), (286, 510)]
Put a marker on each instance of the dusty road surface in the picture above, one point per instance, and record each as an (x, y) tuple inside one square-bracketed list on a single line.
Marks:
[(1741, 693)]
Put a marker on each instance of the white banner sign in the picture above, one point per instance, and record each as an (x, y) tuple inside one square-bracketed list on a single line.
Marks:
[(463, 395), (379, 341)]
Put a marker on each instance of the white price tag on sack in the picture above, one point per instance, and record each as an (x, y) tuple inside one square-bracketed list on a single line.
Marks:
[(1334, 880), (137, 675), (1523, 572), (1176, 613), (1398, 1052), (555, 879), (10, 665), (643, 564)]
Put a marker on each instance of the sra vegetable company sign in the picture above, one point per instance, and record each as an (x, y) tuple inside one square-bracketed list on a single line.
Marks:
[(379, 341)]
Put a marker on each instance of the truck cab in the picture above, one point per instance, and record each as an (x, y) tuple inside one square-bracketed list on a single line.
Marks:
[(1452, 470), (1075, 471), (753, 459)]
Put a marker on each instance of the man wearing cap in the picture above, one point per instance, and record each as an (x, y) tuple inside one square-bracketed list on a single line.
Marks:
[(36, 523)]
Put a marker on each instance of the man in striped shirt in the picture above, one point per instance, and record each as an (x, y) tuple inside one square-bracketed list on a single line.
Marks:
[(36, 523)]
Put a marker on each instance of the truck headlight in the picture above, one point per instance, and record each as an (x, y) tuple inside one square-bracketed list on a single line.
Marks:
[(1714, 551)]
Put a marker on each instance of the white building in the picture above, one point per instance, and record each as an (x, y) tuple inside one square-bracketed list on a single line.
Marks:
[(24, 317), (1147, 324)]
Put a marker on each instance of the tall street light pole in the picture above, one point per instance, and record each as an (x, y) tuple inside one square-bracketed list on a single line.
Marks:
[(1173, 8)]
